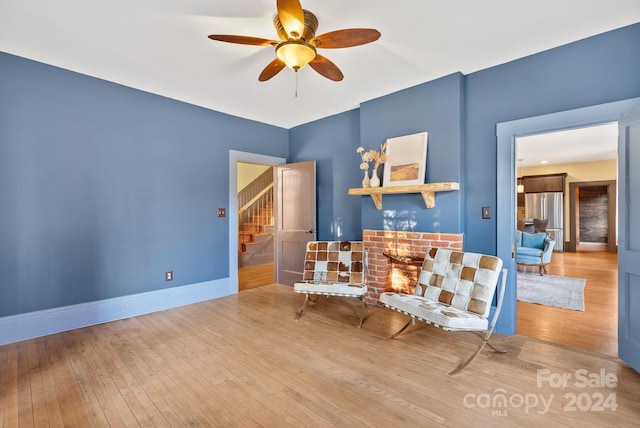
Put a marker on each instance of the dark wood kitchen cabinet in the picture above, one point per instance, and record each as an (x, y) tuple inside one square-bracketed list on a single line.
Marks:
[(544, 183)]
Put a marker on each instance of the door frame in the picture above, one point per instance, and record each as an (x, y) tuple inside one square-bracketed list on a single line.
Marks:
[(506, 213), (611, 215), (235, 157)]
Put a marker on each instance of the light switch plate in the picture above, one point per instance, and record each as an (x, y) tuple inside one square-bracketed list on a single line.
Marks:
[(486, 213)]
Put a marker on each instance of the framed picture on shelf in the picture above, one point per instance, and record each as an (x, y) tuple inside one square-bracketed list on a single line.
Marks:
[(406, 160)]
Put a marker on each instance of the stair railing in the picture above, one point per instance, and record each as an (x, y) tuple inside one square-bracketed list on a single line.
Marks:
[(259, 209), (256, 201)]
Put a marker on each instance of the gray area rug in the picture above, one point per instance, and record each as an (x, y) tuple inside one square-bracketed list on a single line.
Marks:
[(551, 290)]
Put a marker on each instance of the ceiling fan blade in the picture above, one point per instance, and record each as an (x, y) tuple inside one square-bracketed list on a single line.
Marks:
[(292, 17), (273, 68), (346, 38), (243, 40), (326, 68)]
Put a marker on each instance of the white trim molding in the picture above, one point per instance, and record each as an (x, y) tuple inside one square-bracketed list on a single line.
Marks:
[(29, 325)]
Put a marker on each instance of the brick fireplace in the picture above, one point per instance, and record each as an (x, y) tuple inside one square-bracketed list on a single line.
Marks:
[(386, 274)]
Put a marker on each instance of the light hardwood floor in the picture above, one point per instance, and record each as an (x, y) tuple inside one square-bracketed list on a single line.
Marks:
[(255, 276), (595, 329), (242, 361)]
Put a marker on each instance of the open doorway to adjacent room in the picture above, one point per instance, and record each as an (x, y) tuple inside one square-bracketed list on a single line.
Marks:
[(578, 168), (270, 225), (238, 159), (256, 223)]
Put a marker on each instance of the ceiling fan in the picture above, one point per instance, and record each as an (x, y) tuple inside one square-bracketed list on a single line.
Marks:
[(298, 43)]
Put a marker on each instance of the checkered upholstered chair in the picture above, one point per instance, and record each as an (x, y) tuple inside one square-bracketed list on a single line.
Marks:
[(333, 268), (454, 292)]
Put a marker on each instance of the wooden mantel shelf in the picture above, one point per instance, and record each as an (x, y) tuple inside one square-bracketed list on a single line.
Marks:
[(428, 191)]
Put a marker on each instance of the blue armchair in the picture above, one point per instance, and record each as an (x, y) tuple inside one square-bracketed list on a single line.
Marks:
[(534, 249)]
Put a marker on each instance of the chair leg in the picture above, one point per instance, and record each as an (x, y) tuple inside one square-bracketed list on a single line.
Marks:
[(496, 350), (364, 307), (485, 341), (301, 311), (401, 330)]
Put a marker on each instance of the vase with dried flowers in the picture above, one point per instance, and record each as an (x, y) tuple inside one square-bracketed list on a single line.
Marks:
[(378, 158), (365, 158)]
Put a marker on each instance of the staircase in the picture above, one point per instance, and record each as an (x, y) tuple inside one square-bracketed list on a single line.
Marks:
[(256, 222)]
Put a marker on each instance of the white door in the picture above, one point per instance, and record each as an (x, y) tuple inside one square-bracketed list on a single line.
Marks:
[(295, 218), (629, 239)]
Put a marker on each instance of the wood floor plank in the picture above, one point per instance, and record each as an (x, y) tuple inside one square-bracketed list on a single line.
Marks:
[(169, 368), (595, 329), (38, 398), (10, 386), (59, 349), (52, 405), (25, 402), (237, 395), (4, 358), (243, 361), (133, 396), (228, 379), (255, 276), (135, 359)]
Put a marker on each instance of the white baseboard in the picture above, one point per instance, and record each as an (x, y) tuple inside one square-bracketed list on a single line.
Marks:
[(20, 327)]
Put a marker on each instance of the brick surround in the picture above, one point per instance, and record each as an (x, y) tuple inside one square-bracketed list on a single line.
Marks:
[(385, 275)]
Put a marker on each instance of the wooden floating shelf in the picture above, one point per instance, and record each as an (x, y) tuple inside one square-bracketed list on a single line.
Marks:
[(428, 191)]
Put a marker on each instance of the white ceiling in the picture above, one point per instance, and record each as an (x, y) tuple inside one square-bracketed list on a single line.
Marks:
[(161, 46), (569, 146)]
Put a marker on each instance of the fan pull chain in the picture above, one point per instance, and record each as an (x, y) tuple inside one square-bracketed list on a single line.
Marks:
[(296, 83)]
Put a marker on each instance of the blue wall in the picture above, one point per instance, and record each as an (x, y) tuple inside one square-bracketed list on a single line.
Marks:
[(461, 113), (435, 107), (332, 143), (589, 72), (104, 188), (593, 71)]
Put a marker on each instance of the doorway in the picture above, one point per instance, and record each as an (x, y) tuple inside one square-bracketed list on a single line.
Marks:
[(585, 153), (256, 225), (507, 132), (294, 209), (236, 157), (593, 216)]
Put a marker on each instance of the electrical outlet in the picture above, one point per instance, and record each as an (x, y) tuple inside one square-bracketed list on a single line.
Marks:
[(168, 275), (222, 212), (486, 212)]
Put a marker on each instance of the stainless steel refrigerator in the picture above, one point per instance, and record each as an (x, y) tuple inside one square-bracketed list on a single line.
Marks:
[(547, 206)]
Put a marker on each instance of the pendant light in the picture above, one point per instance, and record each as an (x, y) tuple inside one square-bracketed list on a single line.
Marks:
[(520, 186)]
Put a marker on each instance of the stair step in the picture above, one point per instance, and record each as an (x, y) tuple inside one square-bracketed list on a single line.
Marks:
[(259, 254), (252, 228), (261, 220), (253, 238), (246, 237)]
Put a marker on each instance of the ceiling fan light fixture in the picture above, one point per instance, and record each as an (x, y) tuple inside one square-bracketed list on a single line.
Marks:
[(296, 28), (296, 54)]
